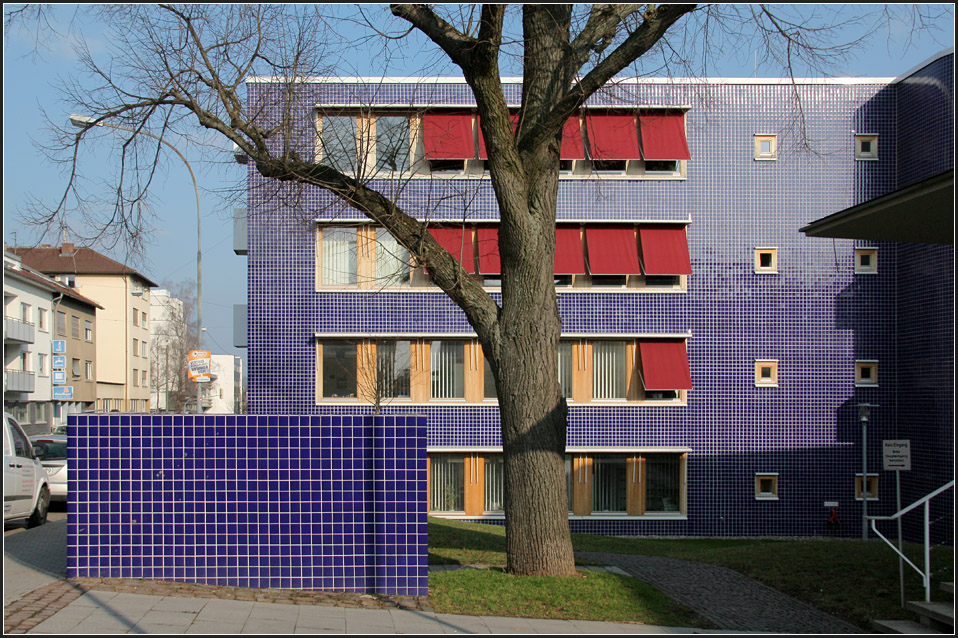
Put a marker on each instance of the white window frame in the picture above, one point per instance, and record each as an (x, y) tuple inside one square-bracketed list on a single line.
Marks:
[(762, 156), (869, 156), (861, 364), (872, 268), (760, 381), (766, 250), (766, 496)]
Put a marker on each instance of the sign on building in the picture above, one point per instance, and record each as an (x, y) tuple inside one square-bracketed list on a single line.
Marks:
[(199, 366), (59, 346), (59, 377), (896, 454), (59, 362), (63, 393)]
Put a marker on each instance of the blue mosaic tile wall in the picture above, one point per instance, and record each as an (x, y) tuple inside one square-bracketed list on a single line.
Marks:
[(815, 316), (925, 309), (289, 502)]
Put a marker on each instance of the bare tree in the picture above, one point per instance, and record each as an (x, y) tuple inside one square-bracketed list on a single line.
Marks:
[(173, 67)]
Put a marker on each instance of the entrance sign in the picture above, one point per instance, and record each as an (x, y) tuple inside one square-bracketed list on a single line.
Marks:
[(199, 366), (896, 454)]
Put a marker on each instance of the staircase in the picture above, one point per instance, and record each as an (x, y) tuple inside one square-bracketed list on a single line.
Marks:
[(933, 618)]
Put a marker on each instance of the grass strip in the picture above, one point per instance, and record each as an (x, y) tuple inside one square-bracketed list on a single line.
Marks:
[(591, 596)]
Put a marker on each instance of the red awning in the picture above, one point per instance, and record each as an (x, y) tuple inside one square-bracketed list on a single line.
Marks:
[(569, 259), (665, 250), (514, 117), (612, 250), (488, 243), (572, 148), (663, 137), (458, 241), (665, 365), (612, 136), (448, 135)]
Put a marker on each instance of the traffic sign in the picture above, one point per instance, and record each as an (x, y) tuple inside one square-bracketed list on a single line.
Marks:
[(63, 393)]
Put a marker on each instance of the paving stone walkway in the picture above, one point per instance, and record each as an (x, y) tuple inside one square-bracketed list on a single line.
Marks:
[(728, 599)]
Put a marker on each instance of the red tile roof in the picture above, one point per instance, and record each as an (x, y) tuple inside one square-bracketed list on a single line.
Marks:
[(56, 260), (50, 285)]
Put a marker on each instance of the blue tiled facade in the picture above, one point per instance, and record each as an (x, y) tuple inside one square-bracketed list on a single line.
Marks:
[(816, 316), (291, 502)]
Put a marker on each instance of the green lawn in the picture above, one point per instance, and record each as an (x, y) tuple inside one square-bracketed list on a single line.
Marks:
[(854, 580)]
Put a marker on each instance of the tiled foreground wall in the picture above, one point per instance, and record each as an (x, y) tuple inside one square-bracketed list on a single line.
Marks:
[(295, 502)]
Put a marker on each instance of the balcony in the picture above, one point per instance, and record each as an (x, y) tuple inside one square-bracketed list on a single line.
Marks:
[(19, 380), (19, 331)]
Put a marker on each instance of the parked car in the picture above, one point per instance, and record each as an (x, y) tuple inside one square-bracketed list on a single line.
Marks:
[(26, 490), (51, 449)]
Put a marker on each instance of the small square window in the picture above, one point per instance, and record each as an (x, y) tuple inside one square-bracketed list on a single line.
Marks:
[(766, 486), (866, 261), (872, 489), (766, 147), (766, 261), (766, 373), (866, 373), (866, 147)]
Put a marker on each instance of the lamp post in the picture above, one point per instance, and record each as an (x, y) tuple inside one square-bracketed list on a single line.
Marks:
[(864, 410), (84, 122)]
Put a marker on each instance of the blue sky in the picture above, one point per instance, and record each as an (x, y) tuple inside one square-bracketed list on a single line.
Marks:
[(29, 82)]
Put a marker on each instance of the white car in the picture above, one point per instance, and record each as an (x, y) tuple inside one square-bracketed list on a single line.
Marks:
[(26, 490), (51, 449)]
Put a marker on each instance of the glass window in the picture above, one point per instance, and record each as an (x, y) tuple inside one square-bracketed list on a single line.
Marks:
[(89, 369), (447, 478), (88, 330), (662, 482), (136, 347), (392, 260), (339, 256), (392, 368), (495, 483), (448, 369), (608, 370), (143, 348), (392, 143), (25, 313), (74, 326), (339, 370), (136, 317), (565, 368), (76, 367), (61, 323), (41, 319), (338, 141), (609, 483), (42, 364), (488, 381)]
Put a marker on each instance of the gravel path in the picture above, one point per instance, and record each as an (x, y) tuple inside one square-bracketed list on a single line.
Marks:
[(725, 597)]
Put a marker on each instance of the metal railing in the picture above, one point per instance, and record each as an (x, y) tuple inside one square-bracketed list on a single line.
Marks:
[(925, 500)]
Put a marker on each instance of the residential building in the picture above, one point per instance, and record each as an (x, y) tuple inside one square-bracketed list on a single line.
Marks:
[(713, 357), (123, 351), (49, 348), (224, 392)]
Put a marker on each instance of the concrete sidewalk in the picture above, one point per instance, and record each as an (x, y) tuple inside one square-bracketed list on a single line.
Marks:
[(105, 612)]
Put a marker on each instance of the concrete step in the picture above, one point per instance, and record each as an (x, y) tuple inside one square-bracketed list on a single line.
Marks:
[(948, 587), (936, 612), (902, 627)]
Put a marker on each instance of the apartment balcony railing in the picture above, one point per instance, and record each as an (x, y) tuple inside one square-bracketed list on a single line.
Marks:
[(19, 331), (19, 381)]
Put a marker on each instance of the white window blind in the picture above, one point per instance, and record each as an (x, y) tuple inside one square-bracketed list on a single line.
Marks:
[(608, 370), (448, 369), (447, 473), (392, 260), (339, 256)]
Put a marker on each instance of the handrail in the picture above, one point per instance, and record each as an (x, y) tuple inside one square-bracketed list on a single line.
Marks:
[(925, 500)]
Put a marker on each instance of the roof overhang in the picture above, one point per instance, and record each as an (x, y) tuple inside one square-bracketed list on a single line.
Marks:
[(923, 213)]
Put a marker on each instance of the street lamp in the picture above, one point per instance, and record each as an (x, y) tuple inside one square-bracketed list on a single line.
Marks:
[(84, 122)]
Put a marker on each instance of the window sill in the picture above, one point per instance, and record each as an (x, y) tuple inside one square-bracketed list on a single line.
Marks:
[(766, 385), (866, 385), (766, 159), (866, 272), (559, 291), (866, 159), (766, 272), (572, 517), (766, 498)]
